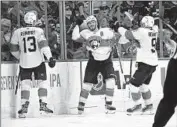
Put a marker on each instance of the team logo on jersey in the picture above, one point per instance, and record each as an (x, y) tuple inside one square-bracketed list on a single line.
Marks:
[(100, 84), (94, 42)]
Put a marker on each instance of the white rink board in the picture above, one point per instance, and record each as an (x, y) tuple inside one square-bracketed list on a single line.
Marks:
[(64, 89)]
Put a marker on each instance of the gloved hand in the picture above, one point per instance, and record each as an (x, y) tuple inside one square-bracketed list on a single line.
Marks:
[(51, 62), (80, 20), (131, 49)]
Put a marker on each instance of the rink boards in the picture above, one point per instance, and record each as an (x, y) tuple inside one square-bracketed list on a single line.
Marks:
[(64, 85)]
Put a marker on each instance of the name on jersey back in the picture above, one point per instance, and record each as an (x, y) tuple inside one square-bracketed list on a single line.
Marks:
[(152, 34), (24, 33)]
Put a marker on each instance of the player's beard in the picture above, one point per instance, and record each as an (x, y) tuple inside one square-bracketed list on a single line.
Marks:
[(92, 27)]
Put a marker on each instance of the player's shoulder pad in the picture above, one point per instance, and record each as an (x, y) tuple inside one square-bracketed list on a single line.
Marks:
[(39, 29), (138, 30), (17, 31)]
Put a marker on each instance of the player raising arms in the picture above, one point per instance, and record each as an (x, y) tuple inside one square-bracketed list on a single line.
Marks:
[(147, 61), (99, 44), (29, 45)]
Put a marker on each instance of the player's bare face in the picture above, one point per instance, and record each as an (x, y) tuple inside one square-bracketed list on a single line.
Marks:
[(168, 34), (92, 25)]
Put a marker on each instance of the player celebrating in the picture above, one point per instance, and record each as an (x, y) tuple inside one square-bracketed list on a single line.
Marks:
[(166, 107), (99, 44), (28, 44), (147, 61)]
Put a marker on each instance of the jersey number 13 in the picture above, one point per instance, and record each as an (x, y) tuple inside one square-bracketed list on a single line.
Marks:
[(32, 41)]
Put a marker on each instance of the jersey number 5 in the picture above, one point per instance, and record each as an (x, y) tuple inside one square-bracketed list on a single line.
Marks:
[(153, 42), (32, 42)]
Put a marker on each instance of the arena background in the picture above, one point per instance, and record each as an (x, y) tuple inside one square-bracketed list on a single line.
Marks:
[(58, 19)]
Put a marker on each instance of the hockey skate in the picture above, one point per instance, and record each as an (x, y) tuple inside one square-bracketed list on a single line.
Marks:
[(109, 108), (147, 110), (43, 108), (81, 108), (80, 111), (134, 110), (23, 111)]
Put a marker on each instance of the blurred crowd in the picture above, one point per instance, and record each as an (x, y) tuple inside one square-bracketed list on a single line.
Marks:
[(108, 13)]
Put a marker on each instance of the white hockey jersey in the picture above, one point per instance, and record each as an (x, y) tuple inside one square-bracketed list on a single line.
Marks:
[(28, 39), (122, 39), (147, 38), (99, 42)]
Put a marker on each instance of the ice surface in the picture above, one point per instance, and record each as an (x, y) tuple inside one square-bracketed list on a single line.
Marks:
[(120, 119), (93, 117)]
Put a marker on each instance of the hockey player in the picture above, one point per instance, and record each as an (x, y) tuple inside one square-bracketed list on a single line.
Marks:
[(29, 44), (99, 44), (147, 61), (166, 107)]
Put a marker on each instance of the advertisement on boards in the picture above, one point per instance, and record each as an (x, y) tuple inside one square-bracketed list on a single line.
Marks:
[(63, 89)]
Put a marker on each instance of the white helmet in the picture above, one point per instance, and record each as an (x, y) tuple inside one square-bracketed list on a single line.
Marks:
[(30, 18), (147, 21), (91, 18)]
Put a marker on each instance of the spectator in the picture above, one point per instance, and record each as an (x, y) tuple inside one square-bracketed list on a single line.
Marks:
[(52, 39), (5, 39), (104, 22), (4, 9), (83, 8), (114, 13), (53, 9), (25, 6), (69, 27), (57, 31), (104, 11)]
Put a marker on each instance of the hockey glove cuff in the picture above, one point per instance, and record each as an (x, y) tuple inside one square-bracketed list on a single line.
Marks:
[(52, 62)]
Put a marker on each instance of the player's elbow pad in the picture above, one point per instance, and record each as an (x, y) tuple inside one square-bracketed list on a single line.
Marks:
[(47, 52), (16, 54), (76, 33)]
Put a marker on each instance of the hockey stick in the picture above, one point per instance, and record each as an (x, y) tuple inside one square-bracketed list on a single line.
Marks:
[(131, 62), (120, 63), (124, 78), (19, 74), (84, 107)]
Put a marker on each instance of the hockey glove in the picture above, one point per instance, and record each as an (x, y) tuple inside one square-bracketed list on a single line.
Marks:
[(51, 62), (80, 20), (131, 49)]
